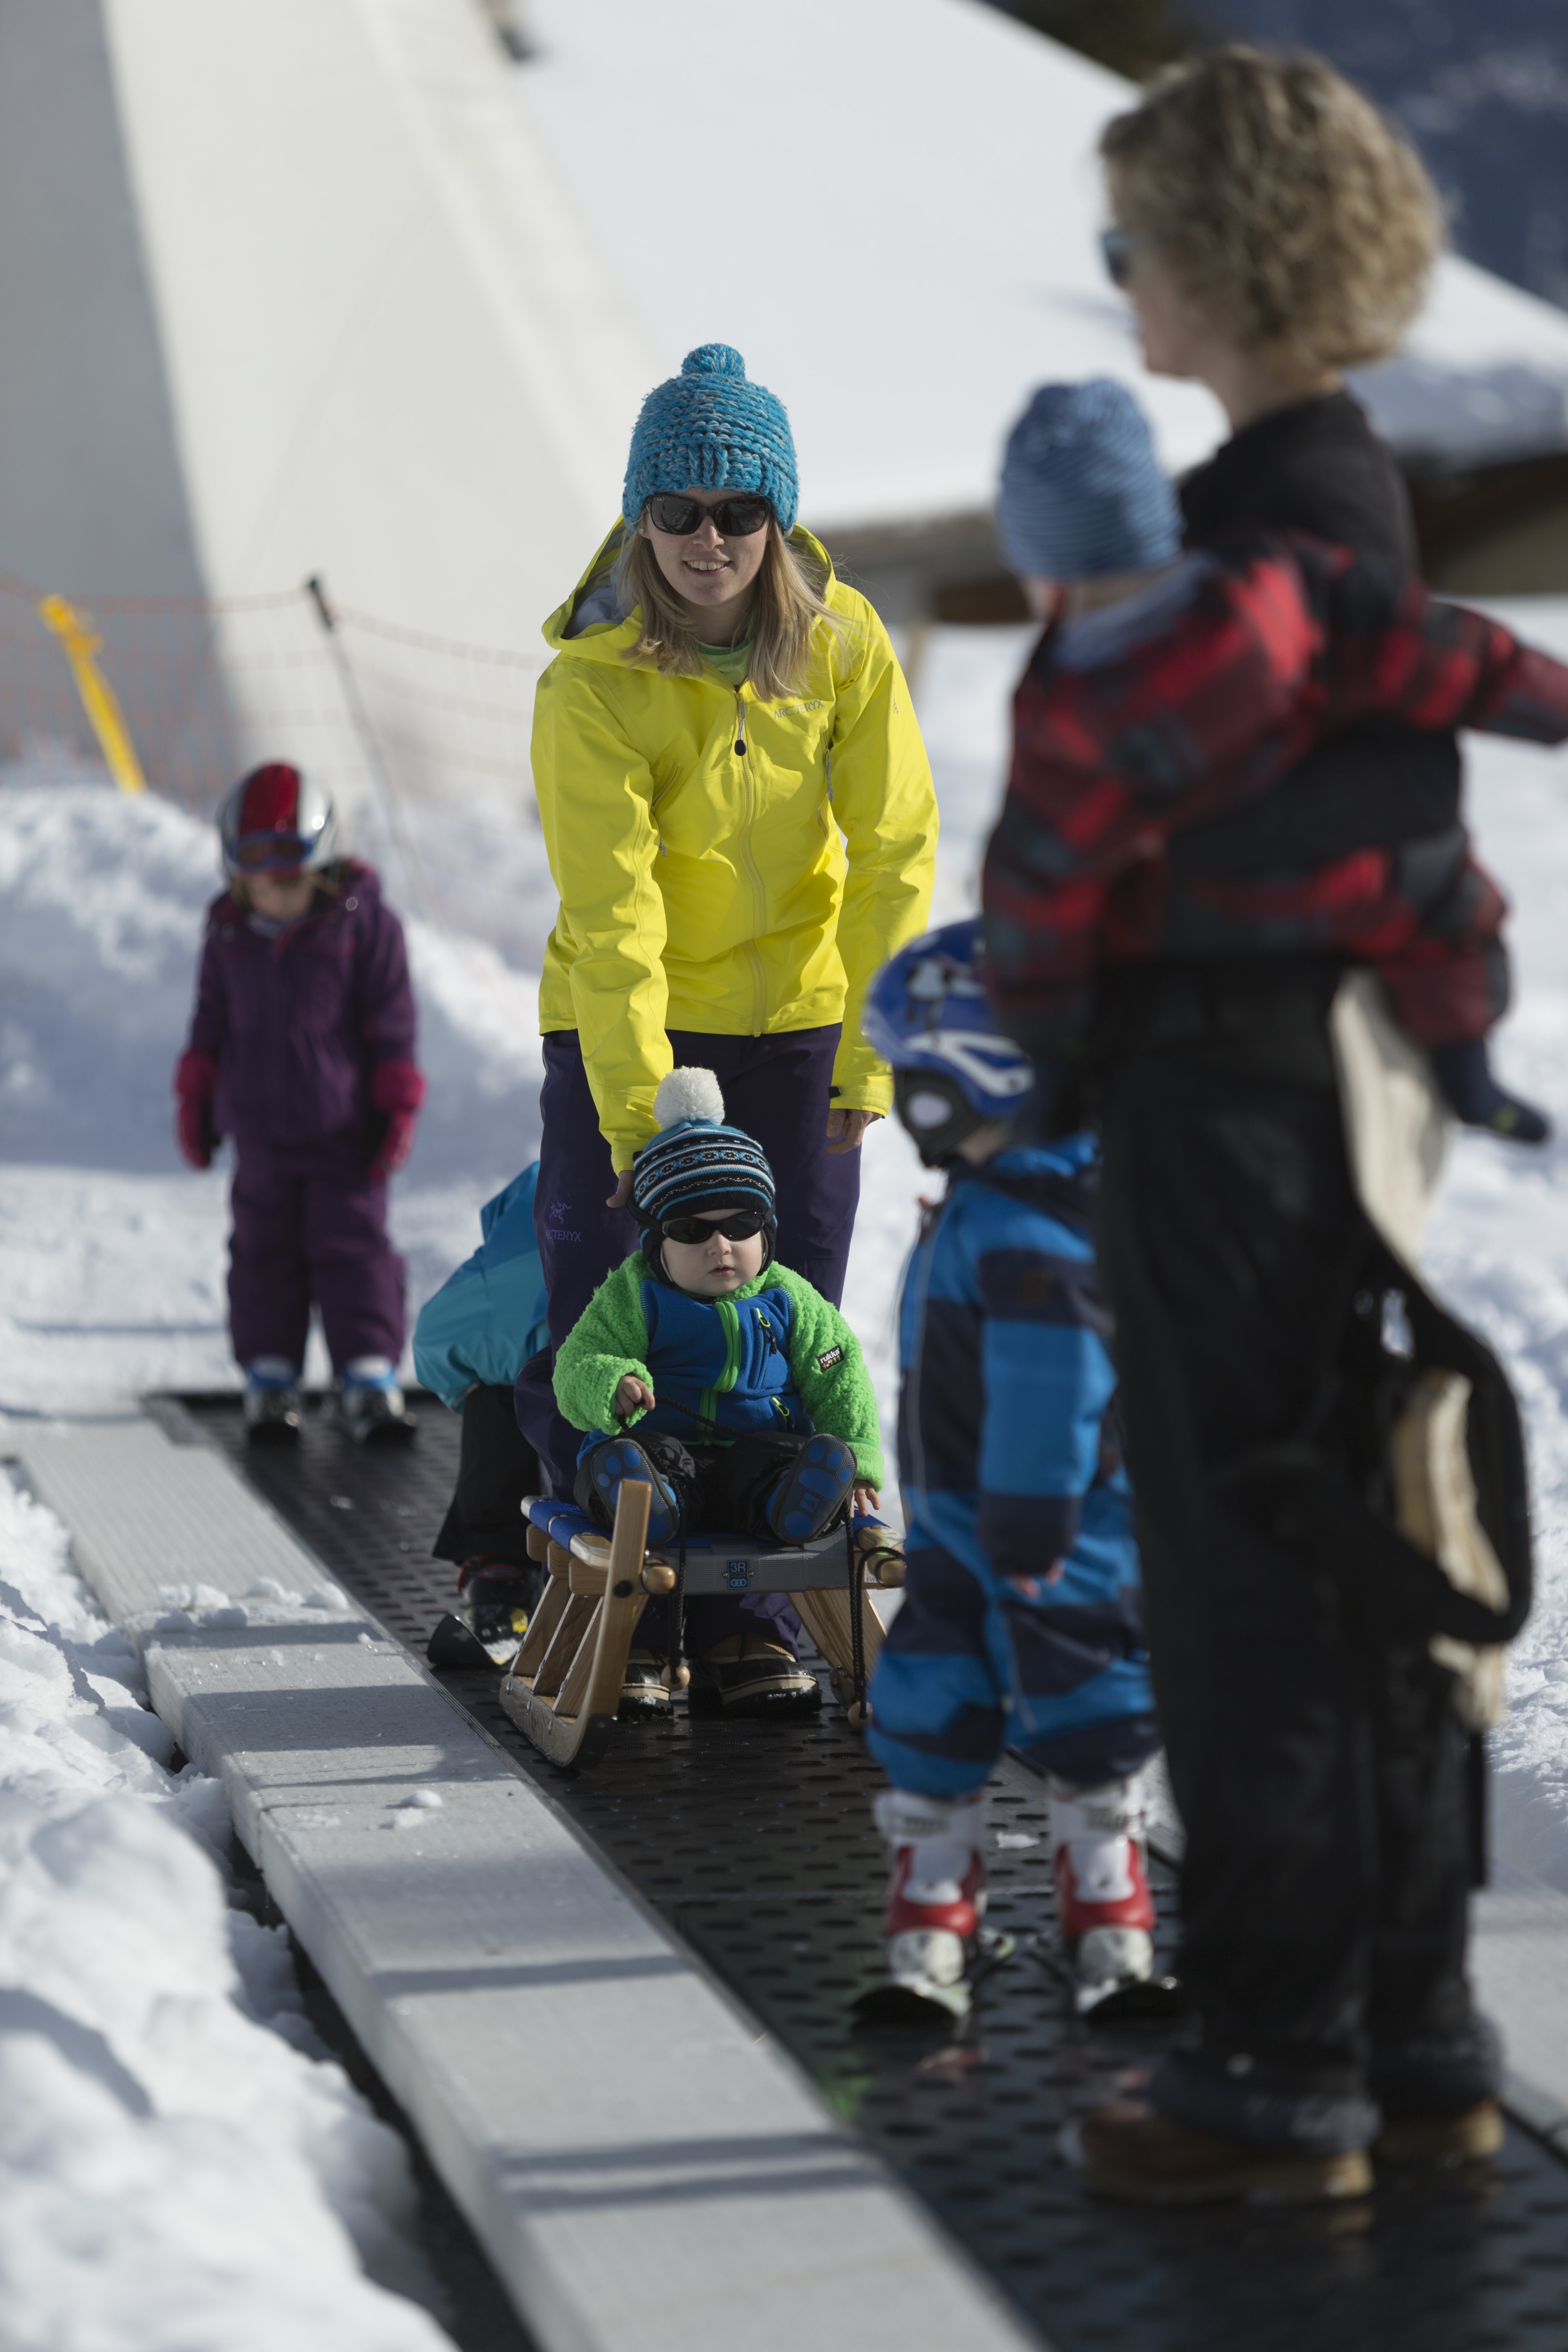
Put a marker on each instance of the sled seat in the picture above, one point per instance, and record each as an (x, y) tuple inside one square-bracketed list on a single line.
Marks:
[(565, 1682)]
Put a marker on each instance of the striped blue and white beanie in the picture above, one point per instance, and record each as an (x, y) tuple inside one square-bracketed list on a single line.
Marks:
[(696, 1162), (1082, 491), (708, 429)]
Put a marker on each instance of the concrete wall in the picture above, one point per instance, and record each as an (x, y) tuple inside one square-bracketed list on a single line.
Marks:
[(92, 490)]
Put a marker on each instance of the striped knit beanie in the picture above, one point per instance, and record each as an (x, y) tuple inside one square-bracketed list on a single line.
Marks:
[(708, 429), (1082, 491), (695, 1162)]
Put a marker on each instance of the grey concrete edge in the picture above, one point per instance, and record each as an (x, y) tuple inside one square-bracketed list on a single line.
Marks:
[(991, 2321)]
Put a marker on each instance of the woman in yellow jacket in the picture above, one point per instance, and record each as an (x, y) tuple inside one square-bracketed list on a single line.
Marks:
[(741, 825)]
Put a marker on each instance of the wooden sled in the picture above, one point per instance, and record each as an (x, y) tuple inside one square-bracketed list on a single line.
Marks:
[(565, 1682)]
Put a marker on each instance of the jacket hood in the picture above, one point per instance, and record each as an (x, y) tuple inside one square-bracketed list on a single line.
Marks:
[(1060, 1178), (591, 624), (517, 1197)]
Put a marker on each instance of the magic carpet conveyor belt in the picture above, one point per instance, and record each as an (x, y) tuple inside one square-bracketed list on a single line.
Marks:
[(754, 1842)]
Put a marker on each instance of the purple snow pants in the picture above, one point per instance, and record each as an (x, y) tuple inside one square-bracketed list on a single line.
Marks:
[(777, 1089), (309, 1223)]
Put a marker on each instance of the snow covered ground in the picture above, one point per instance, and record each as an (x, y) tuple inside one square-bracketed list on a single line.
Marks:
[(167, 2130), (182, 2165), (1499, 1246)]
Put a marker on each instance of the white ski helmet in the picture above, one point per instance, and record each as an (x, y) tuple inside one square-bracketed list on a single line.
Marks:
[(277, 821)]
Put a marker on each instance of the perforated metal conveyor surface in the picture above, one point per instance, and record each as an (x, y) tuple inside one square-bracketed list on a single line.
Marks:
[(754, 1842)]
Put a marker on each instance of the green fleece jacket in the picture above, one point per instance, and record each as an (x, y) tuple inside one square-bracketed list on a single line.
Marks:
[(773, 1355)]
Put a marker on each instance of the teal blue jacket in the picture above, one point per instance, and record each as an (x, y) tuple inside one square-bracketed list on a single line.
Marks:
[(488, 1318)]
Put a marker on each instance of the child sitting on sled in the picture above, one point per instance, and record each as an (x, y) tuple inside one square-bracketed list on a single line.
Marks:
[(302, 1048), (747, 1392), (1021, 1624)]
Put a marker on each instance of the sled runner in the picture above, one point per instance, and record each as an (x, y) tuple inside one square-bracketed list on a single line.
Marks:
[(567, 1682)]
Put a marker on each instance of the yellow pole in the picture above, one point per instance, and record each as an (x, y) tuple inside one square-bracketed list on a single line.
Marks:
[(75, 632)]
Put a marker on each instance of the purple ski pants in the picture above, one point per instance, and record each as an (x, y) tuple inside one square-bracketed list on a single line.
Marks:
[(777, 1089), (309, 1223)]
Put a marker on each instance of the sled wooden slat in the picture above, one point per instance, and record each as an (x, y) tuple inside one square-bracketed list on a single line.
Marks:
[(601, 1636), (826, 1618), (569, 1704), (556, 1663), (542, 1626), (564, 1688)]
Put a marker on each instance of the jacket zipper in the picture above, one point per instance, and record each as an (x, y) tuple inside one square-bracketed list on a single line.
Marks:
[(730, 1322), (759, 896)]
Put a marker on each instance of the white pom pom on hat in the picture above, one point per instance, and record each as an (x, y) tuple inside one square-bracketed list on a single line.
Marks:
[(686, 1095), (697, 1161)]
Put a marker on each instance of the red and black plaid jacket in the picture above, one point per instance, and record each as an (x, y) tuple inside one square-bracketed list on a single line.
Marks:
[(1285, 642)]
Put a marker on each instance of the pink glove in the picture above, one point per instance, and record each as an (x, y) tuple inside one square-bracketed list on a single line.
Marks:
[(195, 1075), (396, 1091)]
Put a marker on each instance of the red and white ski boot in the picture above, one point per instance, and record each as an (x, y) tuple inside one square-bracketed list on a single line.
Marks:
[(935, 1902), (1103, 1902)]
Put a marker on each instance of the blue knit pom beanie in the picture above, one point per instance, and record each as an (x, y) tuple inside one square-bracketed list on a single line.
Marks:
[(708, 429), (696, 1162), (1082, 491)]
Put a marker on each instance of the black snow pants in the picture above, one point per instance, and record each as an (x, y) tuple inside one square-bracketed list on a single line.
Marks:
[(719, 1487), (496, 1467), (1322, 1776)]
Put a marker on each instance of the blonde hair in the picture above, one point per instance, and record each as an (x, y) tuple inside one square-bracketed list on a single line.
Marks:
[(1286, 208), (789, 604), (326, 882)]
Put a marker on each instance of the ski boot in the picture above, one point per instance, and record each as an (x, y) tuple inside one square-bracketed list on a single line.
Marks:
[(1103, 1902), (642, 1690), (747, 1675), (1131, 2152), (486, 1629), (273, 1404), (935, 1903), (370, 1409)]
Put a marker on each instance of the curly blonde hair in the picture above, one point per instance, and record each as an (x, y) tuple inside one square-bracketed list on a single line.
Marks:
[(1286, 208)]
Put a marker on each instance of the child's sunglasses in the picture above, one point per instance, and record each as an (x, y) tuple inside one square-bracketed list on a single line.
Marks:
[(1117, 247), (270, 853), (732, 518), (741, 1227)]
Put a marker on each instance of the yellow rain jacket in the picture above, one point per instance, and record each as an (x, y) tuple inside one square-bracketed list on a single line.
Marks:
[(706, 887)]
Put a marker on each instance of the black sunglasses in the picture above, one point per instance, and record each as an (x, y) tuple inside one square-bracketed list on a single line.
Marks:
[(276, 853), (741, 1227), (732, 518), (1117, 247)]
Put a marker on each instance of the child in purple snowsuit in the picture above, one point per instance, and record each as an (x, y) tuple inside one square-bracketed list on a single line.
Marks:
[(302, 1048)]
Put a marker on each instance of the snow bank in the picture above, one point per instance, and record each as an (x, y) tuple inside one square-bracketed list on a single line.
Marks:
[(180, 2165), (101, 900)]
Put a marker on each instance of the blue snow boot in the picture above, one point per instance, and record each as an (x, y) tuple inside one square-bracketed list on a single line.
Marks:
[(371, 1409), (273, 1404), (1464, 1081), (620, 1458), (813, 1490)]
